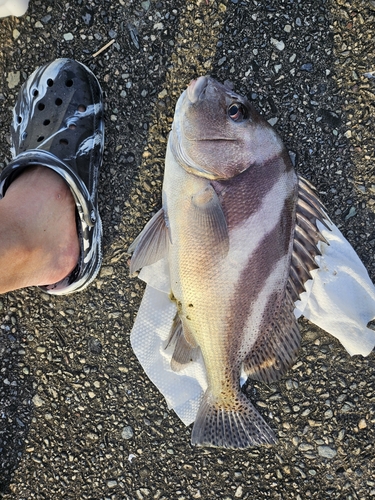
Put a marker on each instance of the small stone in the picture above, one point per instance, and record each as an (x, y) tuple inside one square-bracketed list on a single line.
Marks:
[(348, 134), (94, 345), (38, 24), (307, 67), (13, 79), (289, 384), (273, 121), (305, 447), (112, 483), (68, 36), (127, 432), (362, 424), (16, 33), (239, 492), (326, 452), (37, 400), (146, 5), (287, 28), (279, 44), (106, 270)]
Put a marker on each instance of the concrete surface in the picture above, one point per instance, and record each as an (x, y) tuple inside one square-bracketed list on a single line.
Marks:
[(78, 417)]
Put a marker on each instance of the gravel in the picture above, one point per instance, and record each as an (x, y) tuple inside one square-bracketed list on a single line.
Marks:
[(79, 418)]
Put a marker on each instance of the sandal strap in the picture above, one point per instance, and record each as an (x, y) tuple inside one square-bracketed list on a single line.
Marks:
[(31, 157)]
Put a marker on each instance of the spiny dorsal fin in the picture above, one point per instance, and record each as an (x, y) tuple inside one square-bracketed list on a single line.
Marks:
[(307, 236), (151, 243)]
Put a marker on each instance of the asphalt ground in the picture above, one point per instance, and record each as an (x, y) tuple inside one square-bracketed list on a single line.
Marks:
[(79, 419)]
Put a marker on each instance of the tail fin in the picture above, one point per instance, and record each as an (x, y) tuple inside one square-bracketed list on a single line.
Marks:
[(240, 427)]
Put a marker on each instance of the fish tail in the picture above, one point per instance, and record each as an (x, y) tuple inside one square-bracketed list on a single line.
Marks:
[(239, 427)]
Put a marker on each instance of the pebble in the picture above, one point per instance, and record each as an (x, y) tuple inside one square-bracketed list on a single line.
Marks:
[(279, 44), (106, 271), (38, 24), (239, 492), (307, 67), (13, 79), (362, 424), (16, 33), (68, 36), (326, 452), (112, 483), (37, 400), (127, 432)]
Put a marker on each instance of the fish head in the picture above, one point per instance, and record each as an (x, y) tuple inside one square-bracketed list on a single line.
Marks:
[(218, 134)]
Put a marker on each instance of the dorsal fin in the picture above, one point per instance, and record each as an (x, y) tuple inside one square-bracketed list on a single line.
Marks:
[(307, 236), (276, 349)]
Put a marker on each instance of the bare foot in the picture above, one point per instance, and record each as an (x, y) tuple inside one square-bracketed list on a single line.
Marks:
[(38, 236)]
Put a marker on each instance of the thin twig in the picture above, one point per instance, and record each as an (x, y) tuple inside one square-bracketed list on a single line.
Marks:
[(104, 48)]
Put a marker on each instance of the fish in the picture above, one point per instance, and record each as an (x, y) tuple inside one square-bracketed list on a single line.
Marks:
[(239, 231)]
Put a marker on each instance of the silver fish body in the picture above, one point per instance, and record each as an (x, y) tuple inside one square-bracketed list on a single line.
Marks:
[(230, 231)]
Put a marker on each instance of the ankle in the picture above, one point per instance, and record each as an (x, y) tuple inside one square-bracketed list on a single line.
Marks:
[(38, 236)]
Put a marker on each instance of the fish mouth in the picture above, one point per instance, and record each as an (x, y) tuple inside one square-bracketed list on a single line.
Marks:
[(211, 139), (196, 87)]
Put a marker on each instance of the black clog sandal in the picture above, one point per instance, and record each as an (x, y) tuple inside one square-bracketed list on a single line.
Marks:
[(58, 123)]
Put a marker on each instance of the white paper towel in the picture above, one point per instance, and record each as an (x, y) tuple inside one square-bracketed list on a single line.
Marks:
[(340, 299), (13, 7)]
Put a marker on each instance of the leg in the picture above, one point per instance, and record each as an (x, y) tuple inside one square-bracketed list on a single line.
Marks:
[(38, 237), (58, 124)]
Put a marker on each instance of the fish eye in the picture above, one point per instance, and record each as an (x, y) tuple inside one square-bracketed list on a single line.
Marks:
[(237, 111)]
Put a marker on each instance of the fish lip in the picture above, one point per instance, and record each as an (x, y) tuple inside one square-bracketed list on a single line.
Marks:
[(196, 87)]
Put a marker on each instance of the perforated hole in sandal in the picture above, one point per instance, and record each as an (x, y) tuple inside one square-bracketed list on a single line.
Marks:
[(64, 142), (19, 119), (40, 139), (49, 82), (72, 126), (35, 92), (46, 122), (58, 101), (69, 83), (41, 106), (81, 108)]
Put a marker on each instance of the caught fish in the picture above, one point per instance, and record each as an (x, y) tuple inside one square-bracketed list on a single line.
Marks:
[(239, 232)]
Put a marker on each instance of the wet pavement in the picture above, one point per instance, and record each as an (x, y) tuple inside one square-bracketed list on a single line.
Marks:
[(78, 417)]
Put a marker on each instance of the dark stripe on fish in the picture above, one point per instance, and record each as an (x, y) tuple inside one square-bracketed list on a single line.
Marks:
[(274, 246), (234, 192)]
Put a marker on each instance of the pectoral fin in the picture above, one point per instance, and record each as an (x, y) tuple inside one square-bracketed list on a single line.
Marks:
[(151, 244), (209, 219)]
